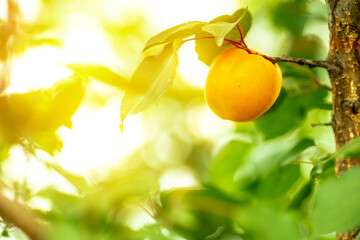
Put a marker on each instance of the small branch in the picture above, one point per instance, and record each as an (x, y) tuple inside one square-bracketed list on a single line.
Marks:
[(310, 74), (18, 215), (322, 124), (301, 61), (308, 90)]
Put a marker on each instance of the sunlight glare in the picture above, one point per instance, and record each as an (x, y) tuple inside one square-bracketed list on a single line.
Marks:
[(29, 9), (207, 125), (136, 218), (164, 14), (16, 168), (190, 67), (177, 178), (115, 10), (37, 68), (21, 167), (93, 148), (86, 42), (3, 9)]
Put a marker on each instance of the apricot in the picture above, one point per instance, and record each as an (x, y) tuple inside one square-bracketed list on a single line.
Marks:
[(241, 86)]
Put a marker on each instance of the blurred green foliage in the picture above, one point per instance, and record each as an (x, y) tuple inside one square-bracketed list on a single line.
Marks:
[(270, 179)]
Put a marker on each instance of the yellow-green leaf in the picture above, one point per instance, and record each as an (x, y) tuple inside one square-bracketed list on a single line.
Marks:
[(177, 32), (336, 205), (101, 73), (153, 77), (220, 29)]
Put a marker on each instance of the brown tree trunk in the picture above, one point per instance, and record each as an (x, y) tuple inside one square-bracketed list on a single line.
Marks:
[(344, 53)]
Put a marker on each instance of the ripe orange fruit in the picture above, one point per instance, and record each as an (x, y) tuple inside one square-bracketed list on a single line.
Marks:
[(241, 86)]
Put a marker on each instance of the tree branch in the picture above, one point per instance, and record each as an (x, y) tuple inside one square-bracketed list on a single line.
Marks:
[(322, 124), (302, 61), (18, 215)]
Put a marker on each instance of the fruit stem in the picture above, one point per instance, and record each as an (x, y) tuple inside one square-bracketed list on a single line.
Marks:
[(235, 43), (248, 50), (242, 41)]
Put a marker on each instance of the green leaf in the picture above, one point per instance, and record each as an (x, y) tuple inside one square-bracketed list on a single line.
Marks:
[(306, 46), (303, 193), (337, 204), (153, 77), (221, 29), (125, 184), (278, 182), (67, 96), (266, 223), (324, 168), (267, 156), (178, 32), (245, 22), (63, 204), (326, 106), (102, 74), (198, 213), (350, 149), (5, 233), (31, 113), (227, 162), (62, 229), (289, 112), (298, 149), (202, 200), (153, 232), (291, 15), (207, 49)]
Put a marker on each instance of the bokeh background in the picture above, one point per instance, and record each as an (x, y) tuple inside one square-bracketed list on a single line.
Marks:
[(92, 181)]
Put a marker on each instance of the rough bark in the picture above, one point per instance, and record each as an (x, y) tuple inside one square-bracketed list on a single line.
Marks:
[(344, 26), (344, 53)]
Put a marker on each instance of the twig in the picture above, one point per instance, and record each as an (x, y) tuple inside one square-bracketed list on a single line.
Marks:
[(322, 124), (310, 74), (18, 215), (301, 61), (307, 90)]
